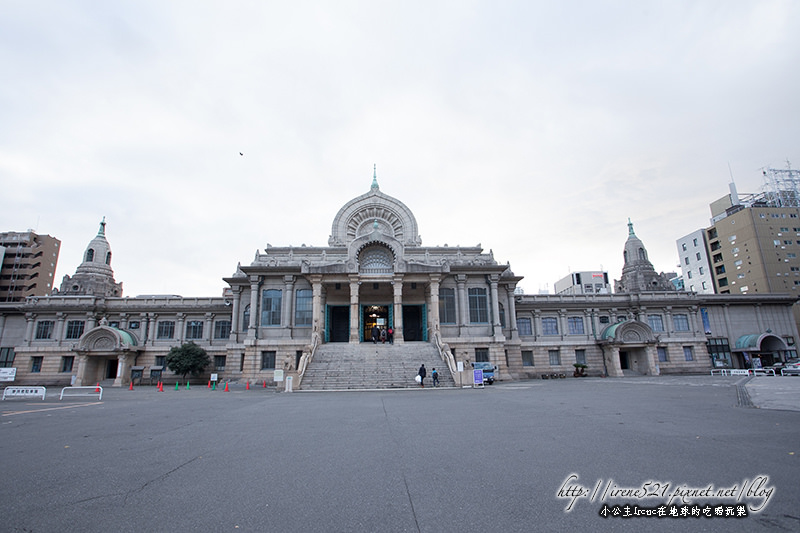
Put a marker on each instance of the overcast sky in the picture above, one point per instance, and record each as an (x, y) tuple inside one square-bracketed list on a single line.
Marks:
[(533, 128)]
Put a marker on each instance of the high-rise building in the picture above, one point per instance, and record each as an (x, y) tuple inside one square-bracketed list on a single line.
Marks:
[(28, 264), (697, 275), (588, 282)]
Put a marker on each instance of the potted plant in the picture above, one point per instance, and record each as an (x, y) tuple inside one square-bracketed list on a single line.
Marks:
[(580, 370)]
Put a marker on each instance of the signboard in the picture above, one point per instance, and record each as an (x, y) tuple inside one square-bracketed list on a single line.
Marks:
[(477, 377), (8, 374), (460, 366), (278, 375), (214, 377)]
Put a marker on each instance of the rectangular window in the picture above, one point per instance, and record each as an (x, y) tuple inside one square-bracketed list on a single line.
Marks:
[(527, 358), (656, 322), (689, 274), (36, 364), (194, 329), (267, 360), (134, 324), (481, 355), (161, 360), (271, 307), (662, 354), (7, 357), (575, 325), (549, 326), (701, 270), (555, 357), (686, 260), (688, 353), (697, 255), (580, 357), (447, 306), (681, 322), (524, 325), (66, 363), (222, 329), (166, 330), (302, 307), (683, 246), (478, 306), (219, 363), (44, 329), (694, 241), (75, 329)]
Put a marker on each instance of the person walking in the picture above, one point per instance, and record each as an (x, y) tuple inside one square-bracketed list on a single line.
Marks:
[(383, 336), (390, 335), (422, 373), (375, 333), (435, 377)]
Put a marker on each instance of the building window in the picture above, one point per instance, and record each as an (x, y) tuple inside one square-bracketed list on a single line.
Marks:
[(481, 355), (478, 309), (580, 357), (683, 246), (697, 255), (66, 363), (161, 360), (604, 320), (166, 330), (36, 364), (688, 353), (694, 241), (720, 352), (702, 271), (44, 329), (656, 323), (222, 329), (549, 326), (246, 318), (267, 360), (662, 354), (75, 329), (689, 274), (219, 363), (575, 325), (720, 269), (89, 255), (524, 325), (302, 308), (555, 357), (271, 308), (527, 358), (686, 260), (7, 357), (134, 324), (447, 306), (194, 329), (681, 322)]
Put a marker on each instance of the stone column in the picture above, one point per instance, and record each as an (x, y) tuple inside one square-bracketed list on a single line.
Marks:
[(91, 321), (123, 321), (434, 303), (287, 320), (58, 334), (209, 333), (80, 376), (537, 324), (562, 323), (354, 321), (180, 325), (497, 327), (152, 324), (651, 360), (251, 327), (398, 309), (122, 370), (235, 306), (30, 318), (612, 362), (462, 303), (512, 312), (316, 304)]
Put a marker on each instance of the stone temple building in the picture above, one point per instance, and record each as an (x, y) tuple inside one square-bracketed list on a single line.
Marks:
[(309, 312)]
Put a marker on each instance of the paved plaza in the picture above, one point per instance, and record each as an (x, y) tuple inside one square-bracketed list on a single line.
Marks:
[(493, 459)]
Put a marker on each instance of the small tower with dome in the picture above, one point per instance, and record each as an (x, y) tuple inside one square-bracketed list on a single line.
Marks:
[(638, 274), (94, 276)]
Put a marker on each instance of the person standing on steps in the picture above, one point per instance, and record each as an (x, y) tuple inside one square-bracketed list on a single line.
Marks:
[(375, 333), (422, 373), (390, 335), (435, 377)]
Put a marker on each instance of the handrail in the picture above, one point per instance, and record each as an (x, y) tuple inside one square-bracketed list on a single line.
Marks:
[(306, 358), (445, 353)]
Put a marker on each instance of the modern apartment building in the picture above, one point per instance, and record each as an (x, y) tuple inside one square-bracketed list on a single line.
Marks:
[(695, 264), (589, 282), (28, 265)]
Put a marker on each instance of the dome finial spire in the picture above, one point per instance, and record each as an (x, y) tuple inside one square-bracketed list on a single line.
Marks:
[(102, 227), (375, 176), (630, 227)]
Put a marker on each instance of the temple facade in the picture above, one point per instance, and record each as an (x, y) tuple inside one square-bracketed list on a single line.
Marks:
[(290, 302)]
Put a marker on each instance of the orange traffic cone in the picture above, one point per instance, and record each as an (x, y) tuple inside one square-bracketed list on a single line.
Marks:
[(131, 387), (97, 388), (265, 383), (209, 383), (160, 386), (247, 387), (226, 386)]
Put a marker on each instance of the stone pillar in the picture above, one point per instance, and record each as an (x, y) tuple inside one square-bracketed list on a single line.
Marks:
[(354, 321), (180, 325), (152, 325), (562, 323), (251, 327), (287, 320), (537, 324), (235, 306), (434, 303), (651, 359), (58, 334), (123, 369), (80, 376), (123, 321), (512, 312), (462, 303), (496, 325), (30, 318), (398, 309), (316, 304), (91, 321), (612, 362), (209, 326)]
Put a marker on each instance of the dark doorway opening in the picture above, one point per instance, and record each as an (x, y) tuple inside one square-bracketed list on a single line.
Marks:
[(623, 360), (339, 324), (111, 369), (412, 323), (374, 316)]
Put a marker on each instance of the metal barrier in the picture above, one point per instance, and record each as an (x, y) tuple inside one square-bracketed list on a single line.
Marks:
[(82, 391), (763, 372), (720, 371), (24, 392)]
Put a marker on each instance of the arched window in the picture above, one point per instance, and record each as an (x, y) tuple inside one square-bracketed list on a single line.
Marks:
[(376, 260), (89, 255), (246, 318), (642, 254), (108, 258)]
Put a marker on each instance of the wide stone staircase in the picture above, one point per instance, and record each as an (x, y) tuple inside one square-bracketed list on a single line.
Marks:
[(345, 366)]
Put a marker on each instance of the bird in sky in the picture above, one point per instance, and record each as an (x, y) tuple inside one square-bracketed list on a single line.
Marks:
[(240, 153)]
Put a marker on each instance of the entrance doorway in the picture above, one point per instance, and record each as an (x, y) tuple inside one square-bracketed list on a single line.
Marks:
[(412, 323), (372, 316), (111, 368), (623, 360), (339, 323)]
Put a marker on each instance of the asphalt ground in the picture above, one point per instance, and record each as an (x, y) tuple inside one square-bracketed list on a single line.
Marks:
[(493, 459)]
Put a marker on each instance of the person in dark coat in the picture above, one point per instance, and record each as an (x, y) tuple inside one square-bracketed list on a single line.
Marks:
[(422, 374), (376, 332)]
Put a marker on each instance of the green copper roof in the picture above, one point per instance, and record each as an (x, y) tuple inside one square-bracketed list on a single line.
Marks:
[(126, 337), (610, 331), (375, 177)]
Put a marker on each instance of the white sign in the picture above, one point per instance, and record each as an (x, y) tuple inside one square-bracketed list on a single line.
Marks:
[(214, 377), (8, 374), (278, 375), (460, 365)]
